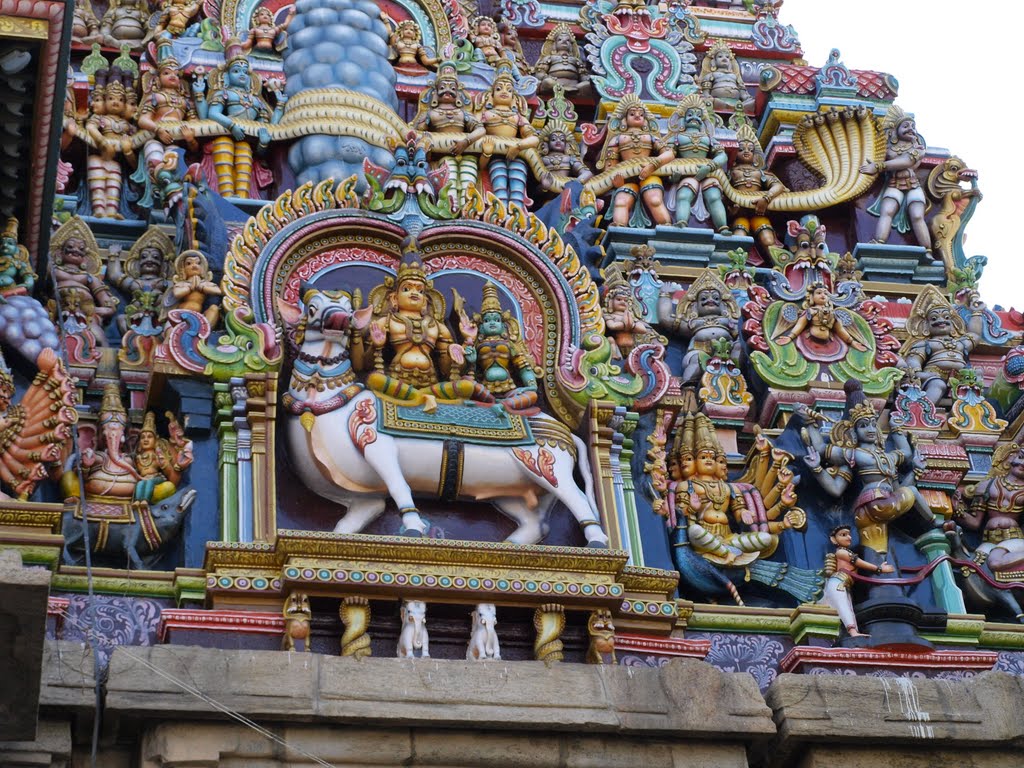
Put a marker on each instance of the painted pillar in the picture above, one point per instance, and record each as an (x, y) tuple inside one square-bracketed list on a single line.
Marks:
[(227, 466)]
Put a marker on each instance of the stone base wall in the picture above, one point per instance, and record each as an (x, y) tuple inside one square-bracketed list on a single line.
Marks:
[(450, 714)]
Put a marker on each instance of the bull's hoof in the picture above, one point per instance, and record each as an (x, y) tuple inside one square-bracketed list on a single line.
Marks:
[(597, 545), (412, 533)]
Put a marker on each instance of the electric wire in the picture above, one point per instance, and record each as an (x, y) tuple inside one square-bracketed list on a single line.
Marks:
[(199, 694), (84, 509)]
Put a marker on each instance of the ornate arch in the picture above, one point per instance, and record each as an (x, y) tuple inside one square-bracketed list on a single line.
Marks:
[(312, 231)]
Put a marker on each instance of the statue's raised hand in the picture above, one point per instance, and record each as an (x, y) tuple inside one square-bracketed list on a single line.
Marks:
[(812, 459)]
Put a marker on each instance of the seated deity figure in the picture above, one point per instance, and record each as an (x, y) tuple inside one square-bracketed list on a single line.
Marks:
[(125, 23), (145, 270), (265, 36), (405, 45), (496, 351), (747, 174), (507, 115), (16, 273), (175, 17), (633, 134), (191, 285), (484, 35), (159, 461), (938, 343), (706, 314), (693, 138), (560, 153), (235, 94), (856, 450), (511, 48), (110, 128), (903, 198), (85, 27), (560, 63), (444, 109), (717, 518), (996, 507), (150, 473), (819, 323), (408, 326), (721, 81)]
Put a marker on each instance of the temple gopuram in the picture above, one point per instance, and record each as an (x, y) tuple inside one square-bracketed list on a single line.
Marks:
[(507, 383)]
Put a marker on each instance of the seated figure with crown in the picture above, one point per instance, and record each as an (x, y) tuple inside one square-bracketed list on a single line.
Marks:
[(150, 473), (411, 352), (496, 351)]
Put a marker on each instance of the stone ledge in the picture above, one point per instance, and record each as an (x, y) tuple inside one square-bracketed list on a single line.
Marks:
[(685, 699), (927, 715), (220, 744)]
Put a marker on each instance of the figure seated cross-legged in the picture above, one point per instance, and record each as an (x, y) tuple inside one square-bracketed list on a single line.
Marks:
[(495, 351), (408, 324)]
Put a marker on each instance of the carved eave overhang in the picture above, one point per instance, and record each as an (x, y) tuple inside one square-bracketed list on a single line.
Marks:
[(35, 39)]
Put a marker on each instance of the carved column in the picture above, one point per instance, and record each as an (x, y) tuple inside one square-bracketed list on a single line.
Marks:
[(227, 462), (610, 452), (262, 410)]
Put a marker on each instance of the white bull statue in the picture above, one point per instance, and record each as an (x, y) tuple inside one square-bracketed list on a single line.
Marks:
[(340, 452)]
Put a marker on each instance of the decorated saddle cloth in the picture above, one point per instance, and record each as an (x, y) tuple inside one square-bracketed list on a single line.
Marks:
[(107, 510), (467, 423)]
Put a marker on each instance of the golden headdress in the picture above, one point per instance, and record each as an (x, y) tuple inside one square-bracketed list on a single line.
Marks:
[(204, 264), (706, 280), (490, 301), (917, 323), (708, 65), (692, 101), (705, 437), (111, 409), (11, 228), (894, 117), (617, 124), (857, 407), (548, 48), (149, 423)]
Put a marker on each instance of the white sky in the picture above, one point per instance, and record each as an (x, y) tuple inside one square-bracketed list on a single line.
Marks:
[(956, 64)]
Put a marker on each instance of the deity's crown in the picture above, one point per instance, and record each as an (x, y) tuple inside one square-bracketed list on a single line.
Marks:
[(894, 117), (233, 51), (411, 270), (447, 70), (115, 81), (717, 47), (11, 229), (165, 54), (112, 409), (490, 302), (504, 70), (705, 437), (149, 423), (692, 101), (746, 133)]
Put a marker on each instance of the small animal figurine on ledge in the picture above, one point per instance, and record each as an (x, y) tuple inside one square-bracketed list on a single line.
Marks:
[(296, 621), (601, 629), (483, 640), (413, 642)]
